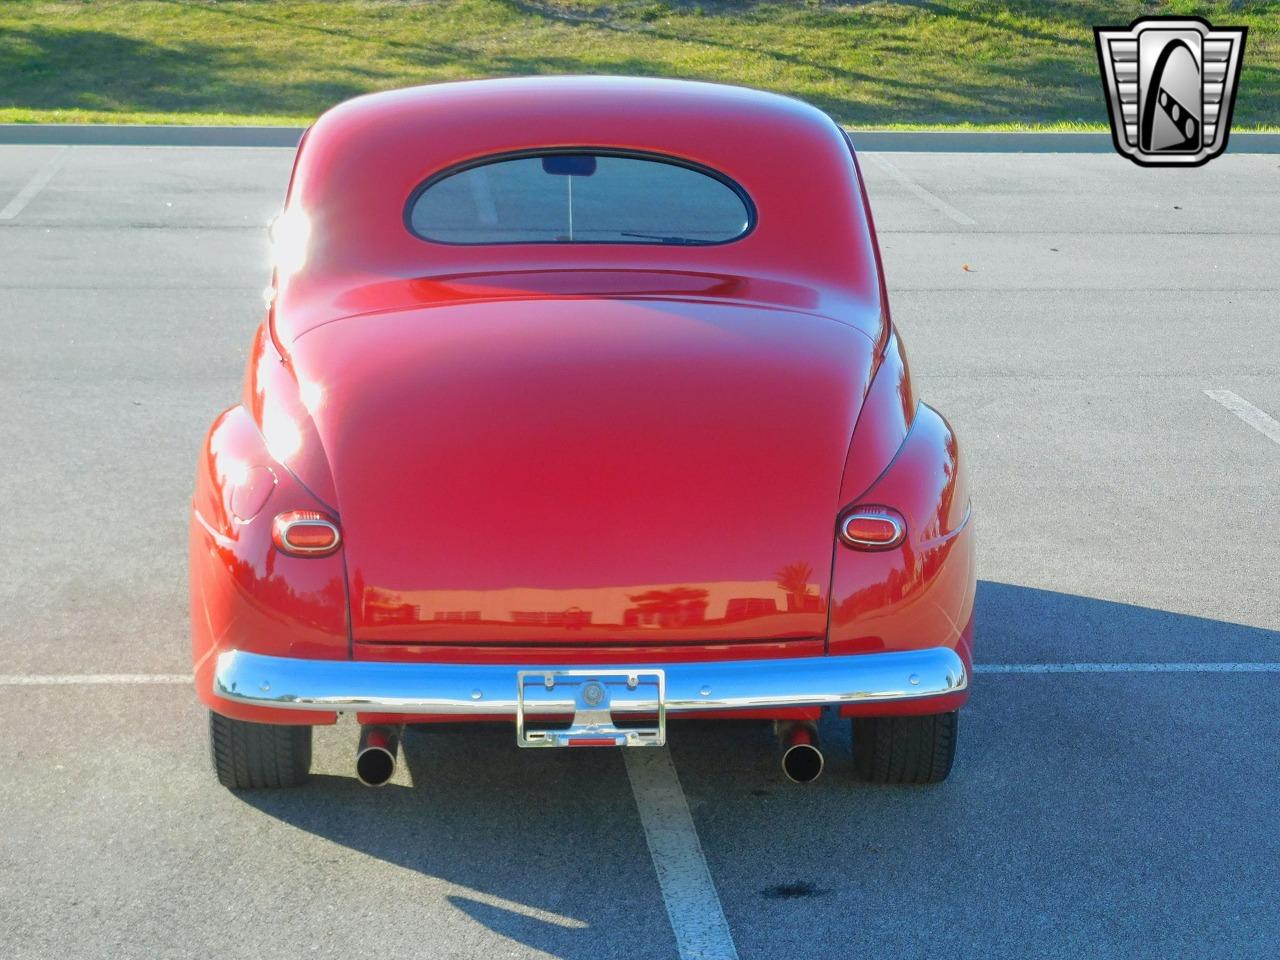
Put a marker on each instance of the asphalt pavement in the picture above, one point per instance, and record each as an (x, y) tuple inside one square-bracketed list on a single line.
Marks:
[(1085, 324)]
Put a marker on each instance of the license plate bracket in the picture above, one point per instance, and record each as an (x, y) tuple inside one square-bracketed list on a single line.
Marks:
[(595, 700)]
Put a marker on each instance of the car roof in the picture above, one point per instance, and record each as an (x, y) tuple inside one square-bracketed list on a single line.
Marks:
[(537, 100), (360, 163)]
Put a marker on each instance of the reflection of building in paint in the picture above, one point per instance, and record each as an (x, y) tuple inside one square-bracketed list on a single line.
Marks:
[(646, 605), (746, 608), (451, 616), (573, 617)]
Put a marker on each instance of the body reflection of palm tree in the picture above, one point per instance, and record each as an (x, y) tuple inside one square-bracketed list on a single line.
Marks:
[(673, 607), (795, 581)]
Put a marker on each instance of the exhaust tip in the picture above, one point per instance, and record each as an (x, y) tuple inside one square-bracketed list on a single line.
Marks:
[(802, 761), (375, 766), (376, 755)]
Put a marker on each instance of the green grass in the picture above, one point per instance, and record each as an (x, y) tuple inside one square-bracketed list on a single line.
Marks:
[(969, 64)]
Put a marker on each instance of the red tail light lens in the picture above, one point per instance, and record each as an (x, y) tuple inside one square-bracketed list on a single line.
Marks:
[(873, 528), (305, 533)]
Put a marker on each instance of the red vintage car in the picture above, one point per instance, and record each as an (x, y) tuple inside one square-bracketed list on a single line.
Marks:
[(578, 405)]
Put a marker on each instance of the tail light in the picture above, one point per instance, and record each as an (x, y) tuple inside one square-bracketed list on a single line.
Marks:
[(873, 528), (305, 533)]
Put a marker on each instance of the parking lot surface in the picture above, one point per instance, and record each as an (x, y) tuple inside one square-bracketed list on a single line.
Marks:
[(1103, 337)]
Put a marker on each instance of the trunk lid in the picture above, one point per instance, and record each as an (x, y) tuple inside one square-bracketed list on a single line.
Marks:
[(587, 471)]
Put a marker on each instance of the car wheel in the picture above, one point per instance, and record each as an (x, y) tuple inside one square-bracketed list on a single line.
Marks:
[(905, 749), (247, 755)]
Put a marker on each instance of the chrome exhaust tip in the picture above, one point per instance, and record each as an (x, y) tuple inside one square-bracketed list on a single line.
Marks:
[(802, 761), (376, 755)]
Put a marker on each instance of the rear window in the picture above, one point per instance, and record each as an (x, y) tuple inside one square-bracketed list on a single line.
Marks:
[(580, 197)]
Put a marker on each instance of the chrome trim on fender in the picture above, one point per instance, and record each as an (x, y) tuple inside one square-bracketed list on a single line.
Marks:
[(491, 689)]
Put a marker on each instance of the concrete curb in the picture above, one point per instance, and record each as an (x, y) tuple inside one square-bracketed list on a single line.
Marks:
[(874, 141), (942, 141), (147, 135)]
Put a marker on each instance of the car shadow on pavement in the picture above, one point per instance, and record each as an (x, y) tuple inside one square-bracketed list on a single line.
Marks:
[(525, 841), (1015, 624), (1098, 814), (545, 847)]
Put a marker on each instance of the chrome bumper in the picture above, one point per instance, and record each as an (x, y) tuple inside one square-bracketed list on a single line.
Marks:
[(495, 689)]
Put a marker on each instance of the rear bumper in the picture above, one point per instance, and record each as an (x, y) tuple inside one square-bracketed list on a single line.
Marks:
[(491, 689)]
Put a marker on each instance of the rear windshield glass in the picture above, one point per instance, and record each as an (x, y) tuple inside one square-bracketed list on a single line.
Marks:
[(581, 197)]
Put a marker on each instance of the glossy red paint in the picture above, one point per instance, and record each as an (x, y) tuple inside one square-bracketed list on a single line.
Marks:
[(577, 453), (810, 251), (246, 594), (921, 593), (600, 478), (601, 653)]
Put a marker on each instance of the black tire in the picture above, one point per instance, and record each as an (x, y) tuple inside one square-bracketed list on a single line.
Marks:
[(249, 756), (905, 749)]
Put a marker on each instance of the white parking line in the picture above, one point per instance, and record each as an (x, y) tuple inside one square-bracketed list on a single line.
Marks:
[(959, 216), (1263, 422), (1247, 667), (702, 933), (34, 185), (90, 679)]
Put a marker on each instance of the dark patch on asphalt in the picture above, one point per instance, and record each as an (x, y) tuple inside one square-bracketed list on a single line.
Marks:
[(793, 891)]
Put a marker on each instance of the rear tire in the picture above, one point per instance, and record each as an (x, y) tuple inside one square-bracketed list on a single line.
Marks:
[(905, 749), (249, 756)]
